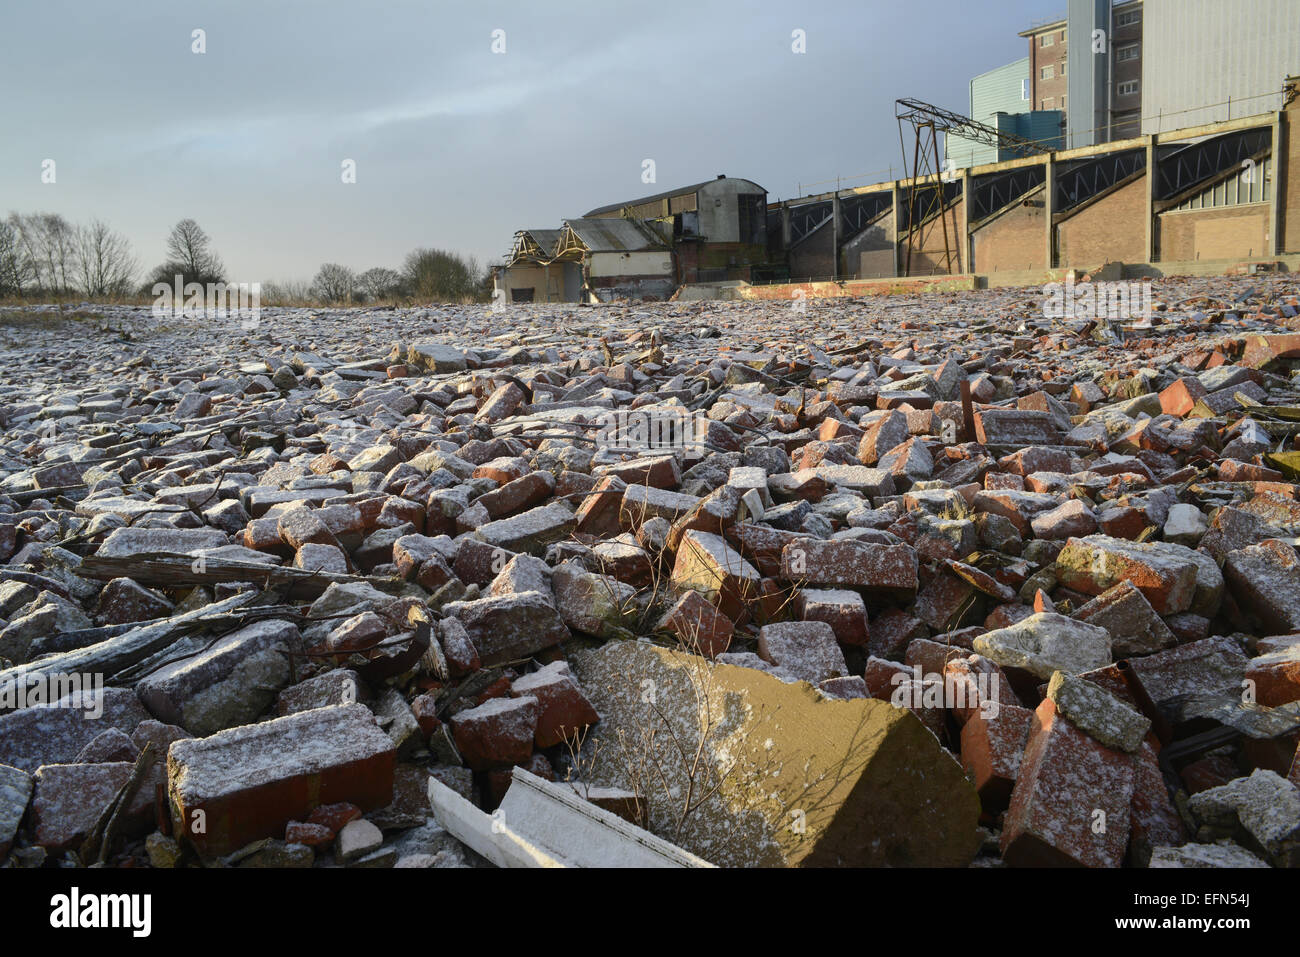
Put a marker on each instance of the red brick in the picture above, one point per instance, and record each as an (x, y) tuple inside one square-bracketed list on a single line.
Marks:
[(250, 782), (563, 710), (698, 624), (1179, 397), (498, 733), (1155, 820), (69, 798), (1070, 804), (991, 749), (854, 564), (843, 610)]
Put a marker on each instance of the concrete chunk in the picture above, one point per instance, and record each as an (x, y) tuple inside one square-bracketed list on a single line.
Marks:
[(865, 783)]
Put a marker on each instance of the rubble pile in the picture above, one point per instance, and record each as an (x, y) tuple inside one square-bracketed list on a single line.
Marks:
[(913, 580)]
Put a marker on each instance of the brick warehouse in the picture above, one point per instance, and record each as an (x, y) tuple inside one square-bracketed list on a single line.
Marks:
[(1185, 200)]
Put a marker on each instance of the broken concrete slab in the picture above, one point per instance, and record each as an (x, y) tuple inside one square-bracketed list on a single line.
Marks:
[(854, 775), (1045, 643)]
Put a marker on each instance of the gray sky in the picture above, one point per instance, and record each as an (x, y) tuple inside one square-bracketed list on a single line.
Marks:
[(455, 146)]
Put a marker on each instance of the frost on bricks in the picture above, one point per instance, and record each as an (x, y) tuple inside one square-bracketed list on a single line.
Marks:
[(228, 684), (425, 472), (855, 564), (55, 734), (250, 781), (1167, 575), (1071, 800), (706, 563), (507, 627)]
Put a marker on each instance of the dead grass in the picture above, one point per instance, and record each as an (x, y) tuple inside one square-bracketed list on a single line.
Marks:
[(29, 319)]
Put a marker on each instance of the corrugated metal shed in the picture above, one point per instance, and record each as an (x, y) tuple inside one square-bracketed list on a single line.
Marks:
[(997, 91), (657, 197), (1041, 126), (614, 235), (1198, 53)]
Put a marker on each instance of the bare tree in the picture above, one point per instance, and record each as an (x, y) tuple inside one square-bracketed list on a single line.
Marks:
[(291, 292), (16, 268), (189, 255), (379, 283), (49, 242), (104, 265), (190, 246), (334, 283)]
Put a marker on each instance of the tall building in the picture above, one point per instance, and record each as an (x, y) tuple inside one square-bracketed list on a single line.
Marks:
[(1206, 61), (1094, 81), (1001, 91)]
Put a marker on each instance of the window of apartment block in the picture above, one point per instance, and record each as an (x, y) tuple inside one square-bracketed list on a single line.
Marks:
[(1127, 88), (1062, 68), (1130, 52), (1047, 40), (1128, 19), (1047, 72), (1024, 89)]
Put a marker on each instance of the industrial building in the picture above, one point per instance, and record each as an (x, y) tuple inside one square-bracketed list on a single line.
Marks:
[(1218, 193), (644, 248), (531, 273), (1058, 165), (1095, 81), (1205, 61), (1002, 99)]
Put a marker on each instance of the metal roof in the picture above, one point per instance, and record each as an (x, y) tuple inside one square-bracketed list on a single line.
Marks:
[(613, 235), (669, 194), (545, 238)]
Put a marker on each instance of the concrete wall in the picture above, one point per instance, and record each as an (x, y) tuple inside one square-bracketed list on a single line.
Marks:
[(1201, 52), (1014, 240), (814, 257), (1086, 120), (1112, 229), (718, 208), (656, 263), (636, 288), (870, 254), (928, 256), (546, 287), (1232, 232)]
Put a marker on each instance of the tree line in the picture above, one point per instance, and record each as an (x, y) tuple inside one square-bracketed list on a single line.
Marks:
[(44, 256), (427, 275)]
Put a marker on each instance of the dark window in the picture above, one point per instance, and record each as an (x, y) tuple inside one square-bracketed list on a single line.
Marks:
[(753, 217)]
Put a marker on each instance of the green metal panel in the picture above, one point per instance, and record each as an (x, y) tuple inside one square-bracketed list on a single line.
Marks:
[(998, 91)]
